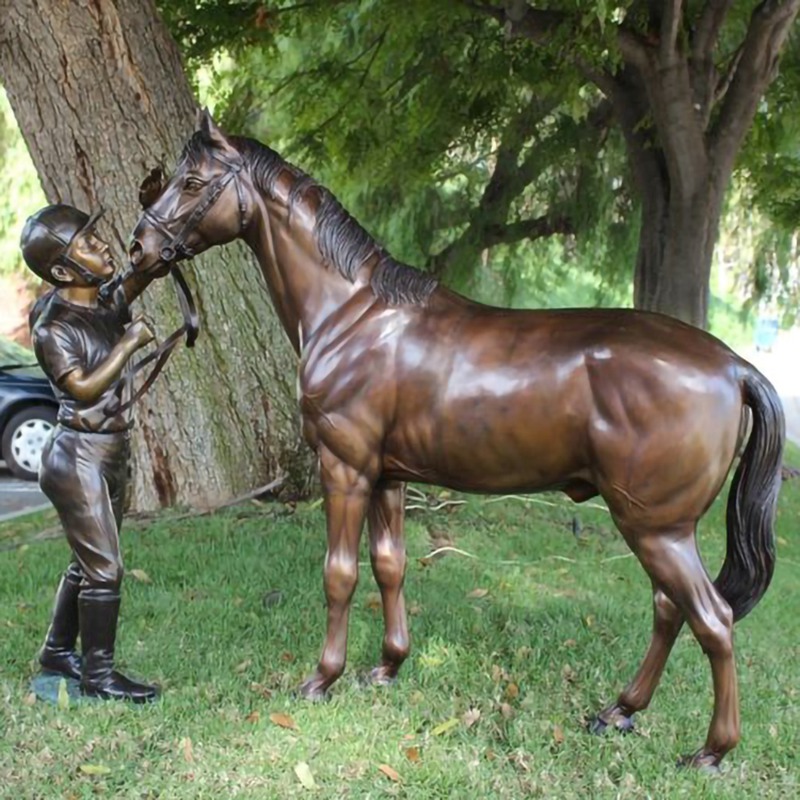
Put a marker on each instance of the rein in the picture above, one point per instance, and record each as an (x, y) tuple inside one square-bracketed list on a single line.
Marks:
[(189, 329)]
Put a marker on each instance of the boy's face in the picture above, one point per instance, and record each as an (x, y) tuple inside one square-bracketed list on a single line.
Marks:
[(92, 253)]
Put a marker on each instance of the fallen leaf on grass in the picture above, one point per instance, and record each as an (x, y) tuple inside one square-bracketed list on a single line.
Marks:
[(558, 734), (94, 769), (283, 720), (140, 575), (470, 717), (373, 601), (253, 717), (186, 748), (520, 760), (29, 699), (63, 695), (512, 691), (303, 772), (415, 610), (506, 710), (412, 754), (478, 593), (244, 665), (499, 674), (444, 727), (390, 773)]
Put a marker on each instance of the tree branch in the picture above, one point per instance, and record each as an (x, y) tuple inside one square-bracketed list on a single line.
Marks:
[(670, 25), (754, 70), (724, 83), (530, 229), (708, 27)]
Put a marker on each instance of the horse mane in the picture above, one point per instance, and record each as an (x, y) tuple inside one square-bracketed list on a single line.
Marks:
[(343, 243)]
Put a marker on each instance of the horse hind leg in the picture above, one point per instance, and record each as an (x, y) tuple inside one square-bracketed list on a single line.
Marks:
[(671, 559), (387, 552), (667, 622)]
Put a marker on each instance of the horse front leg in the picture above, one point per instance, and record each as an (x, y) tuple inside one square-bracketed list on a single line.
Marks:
[(387, 552), (346, 493)]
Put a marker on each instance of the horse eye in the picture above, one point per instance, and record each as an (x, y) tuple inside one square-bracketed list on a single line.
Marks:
[(193, 183)]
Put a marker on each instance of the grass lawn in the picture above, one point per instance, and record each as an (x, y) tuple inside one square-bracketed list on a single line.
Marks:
[(512, 650)]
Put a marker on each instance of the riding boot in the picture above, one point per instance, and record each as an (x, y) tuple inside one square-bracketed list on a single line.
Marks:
[(99, 612), (58, 654)]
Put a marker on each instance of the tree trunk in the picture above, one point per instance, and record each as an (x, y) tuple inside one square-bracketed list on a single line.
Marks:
[(673, 263), (100, 95)]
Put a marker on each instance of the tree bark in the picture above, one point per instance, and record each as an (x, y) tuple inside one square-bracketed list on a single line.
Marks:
[(100, 95)]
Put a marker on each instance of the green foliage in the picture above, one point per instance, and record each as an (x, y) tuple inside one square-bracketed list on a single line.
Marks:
[(770, 168), (20, 190), (559, 627)]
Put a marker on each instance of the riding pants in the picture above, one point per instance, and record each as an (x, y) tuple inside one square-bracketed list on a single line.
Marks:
[(84, 475)]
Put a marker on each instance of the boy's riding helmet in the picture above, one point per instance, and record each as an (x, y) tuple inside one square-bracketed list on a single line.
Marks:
[(47, 236)]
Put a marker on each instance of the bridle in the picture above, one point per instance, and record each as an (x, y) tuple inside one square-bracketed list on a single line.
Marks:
[(170, 254), (176, 249)]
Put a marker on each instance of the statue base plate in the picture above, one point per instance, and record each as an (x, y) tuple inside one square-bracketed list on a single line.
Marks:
[(45, 685)]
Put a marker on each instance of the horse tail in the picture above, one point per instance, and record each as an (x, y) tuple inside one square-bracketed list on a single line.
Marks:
[(750, 559)]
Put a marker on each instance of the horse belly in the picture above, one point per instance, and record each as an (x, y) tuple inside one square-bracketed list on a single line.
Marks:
[(490, 445)]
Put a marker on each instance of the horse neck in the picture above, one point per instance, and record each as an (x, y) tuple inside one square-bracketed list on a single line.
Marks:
[(305, 292)]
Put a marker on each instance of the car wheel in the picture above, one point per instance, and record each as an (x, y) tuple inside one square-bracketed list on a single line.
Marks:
[(24, 438)]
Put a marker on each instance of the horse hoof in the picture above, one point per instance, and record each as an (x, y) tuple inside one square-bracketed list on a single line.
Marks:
[(383, 676), (314, 690), (616, 719), (703, 761)]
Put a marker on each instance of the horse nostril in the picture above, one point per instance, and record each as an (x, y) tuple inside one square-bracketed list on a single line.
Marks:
[(135, 252)]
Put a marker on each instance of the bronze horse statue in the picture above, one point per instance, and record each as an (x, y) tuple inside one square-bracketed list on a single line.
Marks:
[(402, 380)]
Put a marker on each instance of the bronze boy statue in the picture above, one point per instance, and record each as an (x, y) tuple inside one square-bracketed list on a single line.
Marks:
[(83, 344)]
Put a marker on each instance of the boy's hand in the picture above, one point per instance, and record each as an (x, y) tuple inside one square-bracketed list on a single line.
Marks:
[(139, 333)]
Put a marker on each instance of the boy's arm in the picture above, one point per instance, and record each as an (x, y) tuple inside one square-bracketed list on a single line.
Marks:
[(88, 387)]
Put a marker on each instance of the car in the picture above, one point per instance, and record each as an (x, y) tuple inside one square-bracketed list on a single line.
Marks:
[(28, 409)]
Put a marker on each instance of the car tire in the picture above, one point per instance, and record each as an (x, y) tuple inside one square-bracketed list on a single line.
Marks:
[(23, 439)]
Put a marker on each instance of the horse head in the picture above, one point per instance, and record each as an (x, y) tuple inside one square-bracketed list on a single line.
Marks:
[(204, 203)]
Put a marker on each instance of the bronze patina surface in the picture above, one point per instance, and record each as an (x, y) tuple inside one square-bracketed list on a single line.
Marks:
[(402, 380), (83, 344)]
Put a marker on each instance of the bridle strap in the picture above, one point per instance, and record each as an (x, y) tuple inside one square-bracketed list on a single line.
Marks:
[(175, 248), (161, 354), (85, 274)]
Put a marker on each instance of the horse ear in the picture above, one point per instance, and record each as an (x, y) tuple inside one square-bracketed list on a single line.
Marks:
[(151, 188), (208, 128)]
